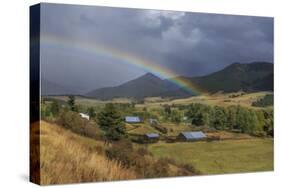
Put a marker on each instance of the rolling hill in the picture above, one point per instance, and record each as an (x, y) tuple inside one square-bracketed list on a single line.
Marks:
[(51, 88), (256, 76), (147, 85)]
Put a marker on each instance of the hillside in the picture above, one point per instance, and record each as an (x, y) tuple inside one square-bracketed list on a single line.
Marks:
[(147, 85), (59, 159), (51, 88), (257, 76)]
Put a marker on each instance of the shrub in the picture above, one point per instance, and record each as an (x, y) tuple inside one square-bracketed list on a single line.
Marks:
[(142, 151), (267, 100), (73, 121), (160, 168), (93, 131), (122, 151)]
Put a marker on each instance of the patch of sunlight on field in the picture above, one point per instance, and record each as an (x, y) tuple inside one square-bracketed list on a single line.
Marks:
[(219, 99), (66, 157), (231, 156)]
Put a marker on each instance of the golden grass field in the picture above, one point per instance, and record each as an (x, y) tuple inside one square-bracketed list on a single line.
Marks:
[(66, 157)]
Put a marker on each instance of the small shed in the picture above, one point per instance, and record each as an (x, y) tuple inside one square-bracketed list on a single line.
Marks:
[(152, 137), (85, 116), (132, 119), (191, 136)]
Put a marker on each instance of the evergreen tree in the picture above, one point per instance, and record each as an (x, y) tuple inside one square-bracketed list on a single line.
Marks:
[(110, 121), (71, 103)]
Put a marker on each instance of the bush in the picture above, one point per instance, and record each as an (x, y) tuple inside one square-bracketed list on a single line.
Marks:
[(91, 130), (122, 151), (160, 168), (73, 121), (267, 100), (142, 151)]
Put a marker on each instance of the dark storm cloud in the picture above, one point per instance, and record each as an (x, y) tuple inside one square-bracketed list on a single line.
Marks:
[(188, 43)]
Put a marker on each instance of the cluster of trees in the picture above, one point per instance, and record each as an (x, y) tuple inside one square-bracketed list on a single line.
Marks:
[(256, 122), (267, 100), (172, 114), (50, 111)]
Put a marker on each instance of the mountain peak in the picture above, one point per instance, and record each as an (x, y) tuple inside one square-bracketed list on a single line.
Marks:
[(150, 75)]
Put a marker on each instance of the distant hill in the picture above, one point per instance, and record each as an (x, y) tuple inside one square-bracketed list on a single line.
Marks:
[(257, 76), (50, 88), (147, 85)]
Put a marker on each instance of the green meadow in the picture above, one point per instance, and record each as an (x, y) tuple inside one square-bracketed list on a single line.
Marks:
[(230, 156)]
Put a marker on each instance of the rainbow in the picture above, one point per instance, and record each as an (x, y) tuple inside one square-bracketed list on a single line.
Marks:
[(132, 60)]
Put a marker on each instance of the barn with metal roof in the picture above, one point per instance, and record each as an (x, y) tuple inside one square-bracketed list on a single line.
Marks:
[(132, 119), (191, 136), (152, 135)]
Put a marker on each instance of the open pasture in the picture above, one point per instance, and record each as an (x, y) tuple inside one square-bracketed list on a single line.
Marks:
[(229, 156)]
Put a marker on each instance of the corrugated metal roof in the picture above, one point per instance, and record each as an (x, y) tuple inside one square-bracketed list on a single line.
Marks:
[(193, 135), (152, 135), (132, 119)]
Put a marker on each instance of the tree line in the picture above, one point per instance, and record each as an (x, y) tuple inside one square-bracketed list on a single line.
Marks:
[(245, 120)]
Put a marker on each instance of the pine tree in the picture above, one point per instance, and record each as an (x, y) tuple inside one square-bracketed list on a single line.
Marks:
[(71, 103), (110, 121)]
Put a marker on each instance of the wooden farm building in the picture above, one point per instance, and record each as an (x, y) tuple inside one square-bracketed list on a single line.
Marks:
[(191, 136)]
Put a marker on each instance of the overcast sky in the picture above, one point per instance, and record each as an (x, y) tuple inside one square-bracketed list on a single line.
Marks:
[(190, 44)]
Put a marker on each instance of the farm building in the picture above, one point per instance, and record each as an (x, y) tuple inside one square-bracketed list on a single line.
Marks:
[(132, 119), (152, 136), (85, 116), (191, 136)]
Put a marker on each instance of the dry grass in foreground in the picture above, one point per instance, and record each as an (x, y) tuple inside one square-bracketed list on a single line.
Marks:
[(68, 158)]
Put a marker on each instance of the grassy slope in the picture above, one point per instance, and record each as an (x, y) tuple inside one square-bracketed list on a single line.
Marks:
[(67, 158), (221, 157)]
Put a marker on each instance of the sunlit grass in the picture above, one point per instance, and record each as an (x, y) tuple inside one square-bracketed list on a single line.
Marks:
[(66, 157)]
